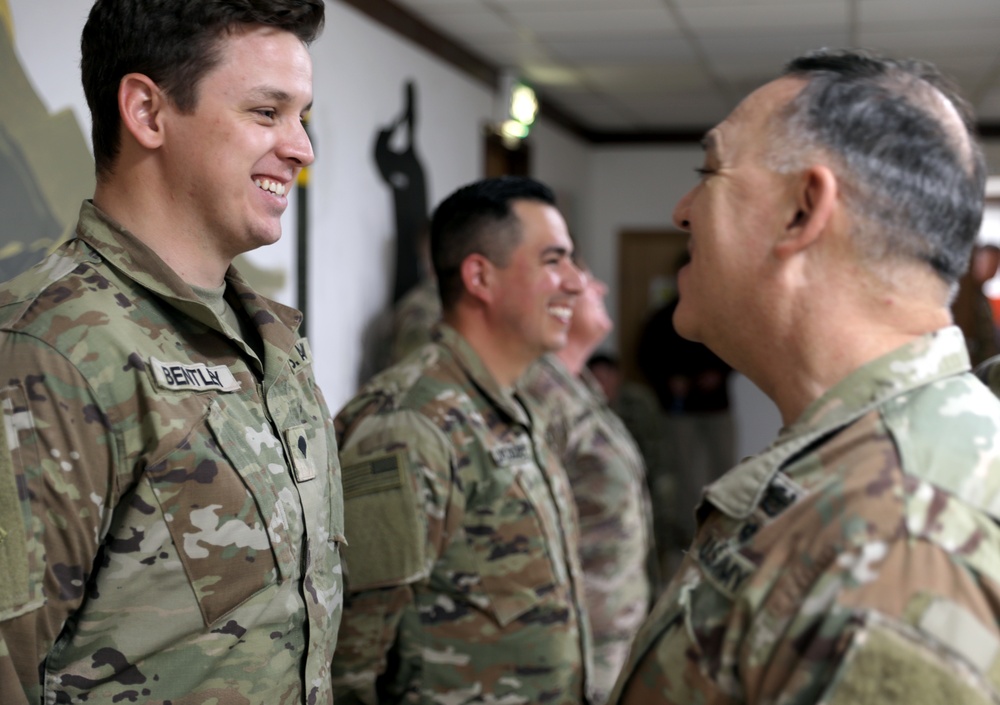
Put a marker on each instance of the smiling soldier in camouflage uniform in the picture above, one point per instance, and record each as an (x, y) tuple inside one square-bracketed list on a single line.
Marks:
[(170, 504), (608, 477), (857, 559), (463, 578)]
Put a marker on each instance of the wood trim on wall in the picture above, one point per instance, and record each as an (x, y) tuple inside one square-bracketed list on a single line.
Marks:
[(405, 23)]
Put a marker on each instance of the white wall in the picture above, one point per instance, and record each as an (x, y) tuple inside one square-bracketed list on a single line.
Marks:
[(631, 187), (992, 149), (359, 72), (562, 161)]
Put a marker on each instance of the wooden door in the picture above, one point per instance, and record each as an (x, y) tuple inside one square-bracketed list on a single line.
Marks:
[(503, 160), (647, 279)]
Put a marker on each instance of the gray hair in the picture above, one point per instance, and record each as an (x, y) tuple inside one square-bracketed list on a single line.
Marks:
[(903, 148)]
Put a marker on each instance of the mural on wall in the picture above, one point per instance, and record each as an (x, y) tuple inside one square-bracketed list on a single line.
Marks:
[(400, 167), (46, 168)]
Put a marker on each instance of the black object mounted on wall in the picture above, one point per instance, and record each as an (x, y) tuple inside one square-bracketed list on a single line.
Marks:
[(402, 171)]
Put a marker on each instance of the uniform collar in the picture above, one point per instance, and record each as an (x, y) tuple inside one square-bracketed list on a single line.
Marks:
[(584, 384), (590, 382), (920, 362), (134, 260), (482, 378)]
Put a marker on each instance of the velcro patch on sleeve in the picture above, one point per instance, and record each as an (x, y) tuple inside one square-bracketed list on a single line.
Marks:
[(373, 475), (15, 584), (384, 524), (959, 630), (888, 662)]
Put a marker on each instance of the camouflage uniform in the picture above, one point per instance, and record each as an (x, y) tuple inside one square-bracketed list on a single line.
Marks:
[(463, 581), (171, 507), (413, 318), (856, 560), (608, 478)]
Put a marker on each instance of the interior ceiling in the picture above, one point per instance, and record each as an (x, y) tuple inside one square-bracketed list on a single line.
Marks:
[(615, 68)]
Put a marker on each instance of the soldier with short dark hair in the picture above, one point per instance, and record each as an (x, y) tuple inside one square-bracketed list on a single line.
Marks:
[(170, 502), (855, 559), (463, 579)]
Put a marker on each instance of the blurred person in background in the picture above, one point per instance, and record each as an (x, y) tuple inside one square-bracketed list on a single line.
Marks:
[(608, 477)]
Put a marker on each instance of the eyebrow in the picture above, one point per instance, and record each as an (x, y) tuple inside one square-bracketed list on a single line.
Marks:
[(709, 141), (556, 250), (276, 95)]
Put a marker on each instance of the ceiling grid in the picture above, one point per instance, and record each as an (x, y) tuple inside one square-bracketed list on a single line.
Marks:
[(641, 67)]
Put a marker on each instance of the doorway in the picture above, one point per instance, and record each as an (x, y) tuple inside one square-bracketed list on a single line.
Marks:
[(504, 160), (647, 279)]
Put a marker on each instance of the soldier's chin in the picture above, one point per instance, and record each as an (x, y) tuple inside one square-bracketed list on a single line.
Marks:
[(557, 342), (685, 327)]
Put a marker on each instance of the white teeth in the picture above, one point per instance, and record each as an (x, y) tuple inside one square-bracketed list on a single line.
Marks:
[(272, 186), (563, 313)]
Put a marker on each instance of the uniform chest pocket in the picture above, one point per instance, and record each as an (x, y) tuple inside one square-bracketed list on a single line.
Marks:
[(510, 544), (221, 511)]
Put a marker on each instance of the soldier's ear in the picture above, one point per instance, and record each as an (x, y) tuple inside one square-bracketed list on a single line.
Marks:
[(140, 104), (814, 204), (478, 277)]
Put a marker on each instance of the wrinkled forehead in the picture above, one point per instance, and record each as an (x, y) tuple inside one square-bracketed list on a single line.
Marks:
[(747, 126)]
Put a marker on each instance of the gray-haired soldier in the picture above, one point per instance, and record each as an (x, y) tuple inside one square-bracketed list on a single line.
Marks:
[(855, 559)]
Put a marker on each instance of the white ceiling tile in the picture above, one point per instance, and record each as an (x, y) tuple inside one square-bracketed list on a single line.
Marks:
[(776, 47), (646, 79), (419, 6), (567, 6), (770, 17), (928, 13), (594, 111), (744, 69), (680, 109), (744, 87), (639, 49), (616, 63), (516, 52), (471, 23), (547, 75), (923, 44), (738, 4), (598, 22)]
